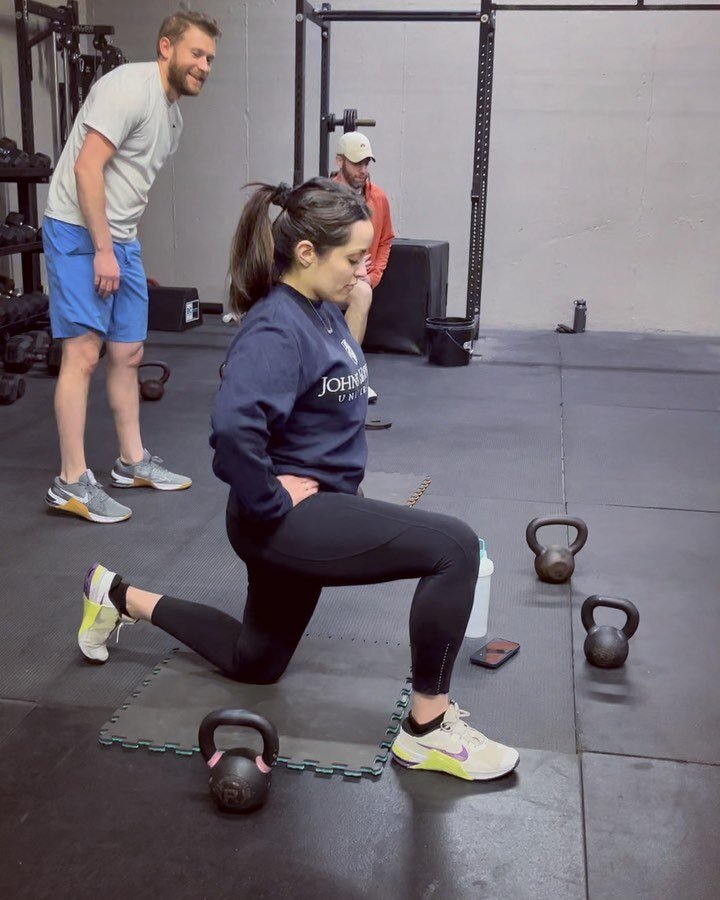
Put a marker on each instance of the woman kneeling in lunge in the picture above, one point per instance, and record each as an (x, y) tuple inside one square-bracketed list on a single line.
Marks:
[(289, 438)]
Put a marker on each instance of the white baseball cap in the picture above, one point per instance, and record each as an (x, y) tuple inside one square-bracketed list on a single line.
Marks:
[(355, 147)]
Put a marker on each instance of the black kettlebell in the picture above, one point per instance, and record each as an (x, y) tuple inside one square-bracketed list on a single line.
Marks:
[(605, 645), (238, 783), (555, 564), (153, 388)]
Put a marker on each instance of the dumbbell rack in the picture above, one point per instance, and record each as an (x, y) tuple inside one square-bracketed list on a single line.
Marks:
[(24, 178)]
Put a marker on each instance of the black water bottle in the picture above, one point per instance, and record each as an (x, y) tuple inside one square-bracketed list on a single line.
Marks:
[(580, 317)]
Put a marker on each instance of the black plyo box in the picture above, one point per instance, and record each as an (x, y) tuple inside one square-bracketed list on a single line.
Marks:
[(413, 287), (173, 308)]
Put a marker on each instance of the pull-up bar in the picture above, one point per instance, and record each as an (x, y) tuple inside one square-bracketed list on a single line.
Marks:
[(367, 15), (484, 17)]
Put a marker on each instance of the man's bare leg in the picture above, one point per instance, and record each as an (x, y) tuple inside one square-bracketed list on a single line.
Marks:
[(124, 397), (79, 360)]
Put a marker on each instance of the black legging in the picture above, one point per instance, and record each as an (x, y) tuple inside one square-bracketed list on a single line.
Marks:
[(335, 539)]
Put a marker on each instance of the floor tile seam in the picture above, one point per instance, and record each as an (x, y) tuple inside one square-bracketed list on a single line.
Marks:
[(555, 501), (575, 404), (18, 700), (642, 406), (585, 751), (580, 502), (46, 702), (583, 823), (518, 364), (571, 605), (569, 612), (570, 367), (473, 497), (641, 370)]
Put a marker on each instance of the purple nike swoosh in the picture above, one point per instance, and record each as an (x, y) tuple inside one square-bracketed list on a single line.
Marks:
[(461, 756)]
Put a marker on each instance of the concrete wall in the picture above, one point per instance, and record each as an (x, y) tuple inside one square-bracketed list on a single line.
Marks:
[(603, 175)]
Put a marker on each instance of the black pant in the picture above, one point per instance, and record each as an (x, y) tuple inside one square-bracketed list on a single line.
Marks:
[(335, 539)]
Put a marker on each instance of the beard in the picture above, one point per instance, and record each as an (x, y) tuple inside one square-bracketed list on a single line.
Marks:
[(177, 79), (356, 182)]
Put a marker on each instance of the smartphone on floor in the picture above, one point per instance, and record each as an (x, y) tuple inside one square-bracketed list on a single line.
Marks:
[(494, 653)]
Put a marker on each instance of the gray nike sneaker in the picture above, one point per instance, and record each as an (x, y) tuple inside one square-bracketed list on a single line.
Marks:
[(148, 473), (87, 499)]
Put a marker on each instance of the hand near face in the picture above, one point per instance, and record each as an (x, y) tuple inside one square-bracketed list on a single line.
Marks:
[(366, 277)]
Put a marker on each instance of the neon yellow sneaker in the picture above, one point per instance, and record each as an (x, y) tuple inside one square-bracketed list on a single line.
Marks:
[(454, 748), (100, 617)]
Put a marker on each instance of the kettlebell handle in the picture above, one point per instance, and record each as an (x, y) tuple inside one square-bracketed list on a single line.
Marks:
[(242, 718), (587, 612), (161, 365), (536, 524)]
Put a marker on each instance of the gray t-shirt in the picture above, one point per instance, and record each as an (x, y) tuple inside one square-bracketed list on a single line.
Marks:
[(130, 108)]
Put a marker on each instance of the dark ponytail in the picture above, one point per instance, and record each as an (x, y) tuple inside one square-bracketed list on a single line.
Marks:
[(320, 211), (251, 252)]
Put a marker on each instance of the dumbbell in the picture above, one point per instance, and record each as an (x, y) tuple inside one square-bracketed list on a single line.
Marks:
[(7, 287), (54, 357), (17, 353), (12, 388), (6, 312), (41, 345), (40, 161), (22, 350), (23, 233), (8, 151), (39, 304), (11, 155), (20, 309), (7, 235), (11, 234), (28, 306)]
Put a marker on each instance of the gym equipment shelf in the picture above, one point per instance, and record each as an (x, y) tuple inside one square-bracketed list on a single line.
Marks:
[(25, 174), (29, 247)]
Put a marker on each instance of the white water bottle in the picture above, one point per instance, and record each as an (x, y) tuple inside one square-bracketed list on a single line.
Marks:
[(478, 625)]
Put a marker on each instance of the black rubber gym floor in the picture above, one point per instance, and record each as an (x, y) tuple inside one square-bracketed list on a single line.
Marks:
[(618, 788)]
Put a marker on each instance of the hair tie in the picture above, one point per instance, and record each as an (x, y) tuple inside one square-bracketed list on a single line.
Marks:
[(281, 195)]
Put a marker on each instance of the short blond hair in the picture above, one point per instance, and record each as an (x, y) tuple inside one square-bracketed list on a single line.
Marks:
[(174, 27)]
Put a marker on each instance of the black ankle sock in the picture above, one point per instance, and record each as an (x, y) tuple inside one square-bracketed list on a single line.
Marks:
[(118, 594), (414, 728)]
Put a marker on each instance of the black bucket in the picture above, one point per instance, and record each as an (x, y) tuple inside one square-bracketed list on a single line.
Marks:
[(449, 340)]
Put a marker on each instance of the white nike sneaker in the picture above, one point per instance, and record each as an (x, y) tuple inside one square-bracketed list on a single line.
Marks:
[(100, 616), (455, 748)]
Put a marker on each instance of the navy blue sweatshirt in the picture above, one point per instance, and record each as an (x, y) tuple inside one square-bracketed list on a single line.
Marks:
[(293, 401)]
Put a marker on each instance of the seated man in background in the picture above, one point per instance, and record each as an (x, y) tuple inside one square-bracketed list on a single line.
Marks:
[(353, 158)]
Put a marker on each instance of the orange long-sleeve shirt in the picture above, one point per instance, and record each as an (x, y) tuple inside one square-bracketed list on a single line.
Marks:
[(379, 251)]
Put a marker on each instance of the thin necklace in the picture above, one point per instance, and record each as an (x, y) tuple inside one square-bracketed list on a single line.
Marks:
[(327, 327)]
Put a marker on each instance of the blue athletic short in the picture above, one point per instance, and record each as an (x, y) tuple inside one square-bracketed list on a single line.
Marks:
[(75, 307)]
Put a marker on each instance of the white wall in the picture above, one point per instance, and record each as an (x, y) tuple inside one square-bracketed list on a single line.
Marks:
[(604, 182)]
